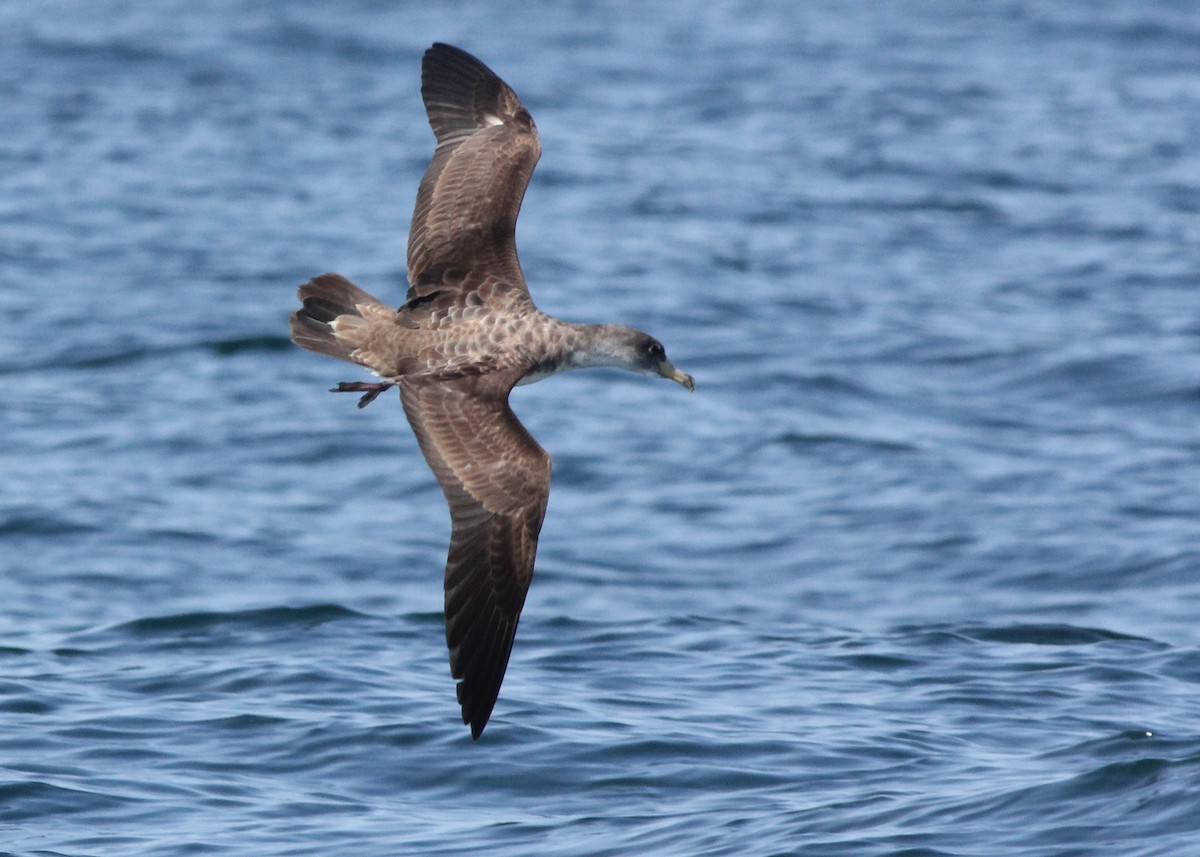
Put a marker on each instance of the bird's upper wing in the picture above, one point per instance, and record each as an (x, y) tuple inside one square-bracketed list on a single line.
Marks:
[(496, 480), (463, 227)]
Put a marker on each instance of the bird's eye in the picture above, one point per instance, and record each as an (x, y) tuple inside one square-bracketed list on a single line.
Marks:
[(656, 350)]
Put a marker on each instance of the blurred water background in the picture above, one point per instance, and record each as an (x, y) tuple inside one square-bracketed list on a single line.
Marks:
[(915, 571)]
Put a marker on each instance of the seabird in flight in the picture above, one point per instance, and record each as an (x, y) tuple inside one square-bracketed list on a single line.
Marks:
[(466, 335)]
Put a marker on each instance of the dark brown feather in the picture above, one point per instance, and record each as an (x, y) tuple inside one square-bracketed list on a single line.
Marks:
[(496, 479), (467, 205)]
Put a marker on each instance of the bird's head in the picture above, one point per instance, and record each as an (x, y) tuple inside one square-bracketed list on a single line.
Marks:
[(638, 352)]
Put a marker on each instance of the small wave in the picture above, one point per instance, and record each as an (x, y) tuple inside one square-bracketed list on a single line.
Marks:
[(1113, 378), (249, 344), (1045, 635), (245, 722), (205, 622), (113, 50), (807, 439), (36, 799), (925, 203), (1072, 809), (21, 698), (1121, 745), (101, 357), (25, 524), (1011, 180), (1118, 777), (298, 36)]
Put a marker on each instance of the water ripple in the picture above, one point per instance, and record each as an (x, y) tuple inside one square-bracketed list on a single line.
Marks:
[(913, 571)]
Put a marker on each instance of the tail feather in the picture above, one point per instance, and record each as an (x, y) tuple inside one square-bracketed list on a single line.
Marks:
[(326, 299)]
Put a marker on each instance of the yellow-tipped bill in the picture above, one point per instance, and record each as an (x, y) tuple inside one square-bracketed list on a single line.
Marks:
[(668, 371)]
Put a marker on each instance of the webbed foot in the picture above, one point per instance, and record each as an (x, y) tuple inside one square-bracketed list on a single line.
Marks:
[(369, 390)]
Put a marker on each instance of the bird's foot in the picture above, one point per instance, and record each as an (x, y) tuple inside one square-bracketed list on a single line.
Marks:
[(369, 390)]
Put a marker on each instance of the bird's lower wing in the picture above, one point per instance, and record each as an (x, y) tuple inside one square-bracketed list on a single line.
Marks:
[(496, 480)]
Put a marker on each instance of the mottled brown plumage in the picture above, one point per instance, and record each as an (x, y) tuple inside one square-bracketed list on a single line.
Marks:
[(467, 334)]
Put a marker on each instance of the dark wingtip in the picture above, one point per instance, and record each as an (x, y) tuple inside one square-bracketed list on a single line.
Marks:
[(443, 53), (474, 712), (460, 93)]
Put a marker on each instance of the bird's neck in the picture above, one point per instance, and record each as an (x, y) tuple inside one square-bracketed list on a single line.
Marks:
[(572, 346)]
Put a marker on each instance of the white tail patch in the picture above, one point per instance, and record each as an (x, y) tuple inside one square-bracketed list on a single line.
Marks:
[(347, 325)]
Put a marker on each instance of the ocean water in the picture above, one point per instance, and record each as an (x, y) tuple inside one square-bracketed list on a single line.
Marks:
[(915, 571)]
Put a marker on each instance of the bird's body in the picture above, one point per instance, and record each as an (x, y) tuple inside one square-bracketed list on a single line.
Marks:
[(468, 333)]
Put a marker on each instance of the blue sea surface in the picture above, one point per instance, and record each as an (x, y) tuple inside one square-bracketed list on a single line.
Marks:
[(915, 571)]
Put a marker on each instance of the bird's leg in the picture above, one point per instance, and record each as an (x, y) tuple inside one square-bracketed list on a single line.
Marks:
[(369, 390)]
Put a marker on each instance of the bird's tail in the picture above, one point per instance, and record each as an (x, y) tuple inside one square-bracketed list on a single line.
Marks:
[(334, 316)]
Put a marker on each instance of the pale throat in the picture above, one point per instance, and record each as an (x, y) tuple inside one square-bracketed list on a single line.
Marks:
[(575, 346)]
